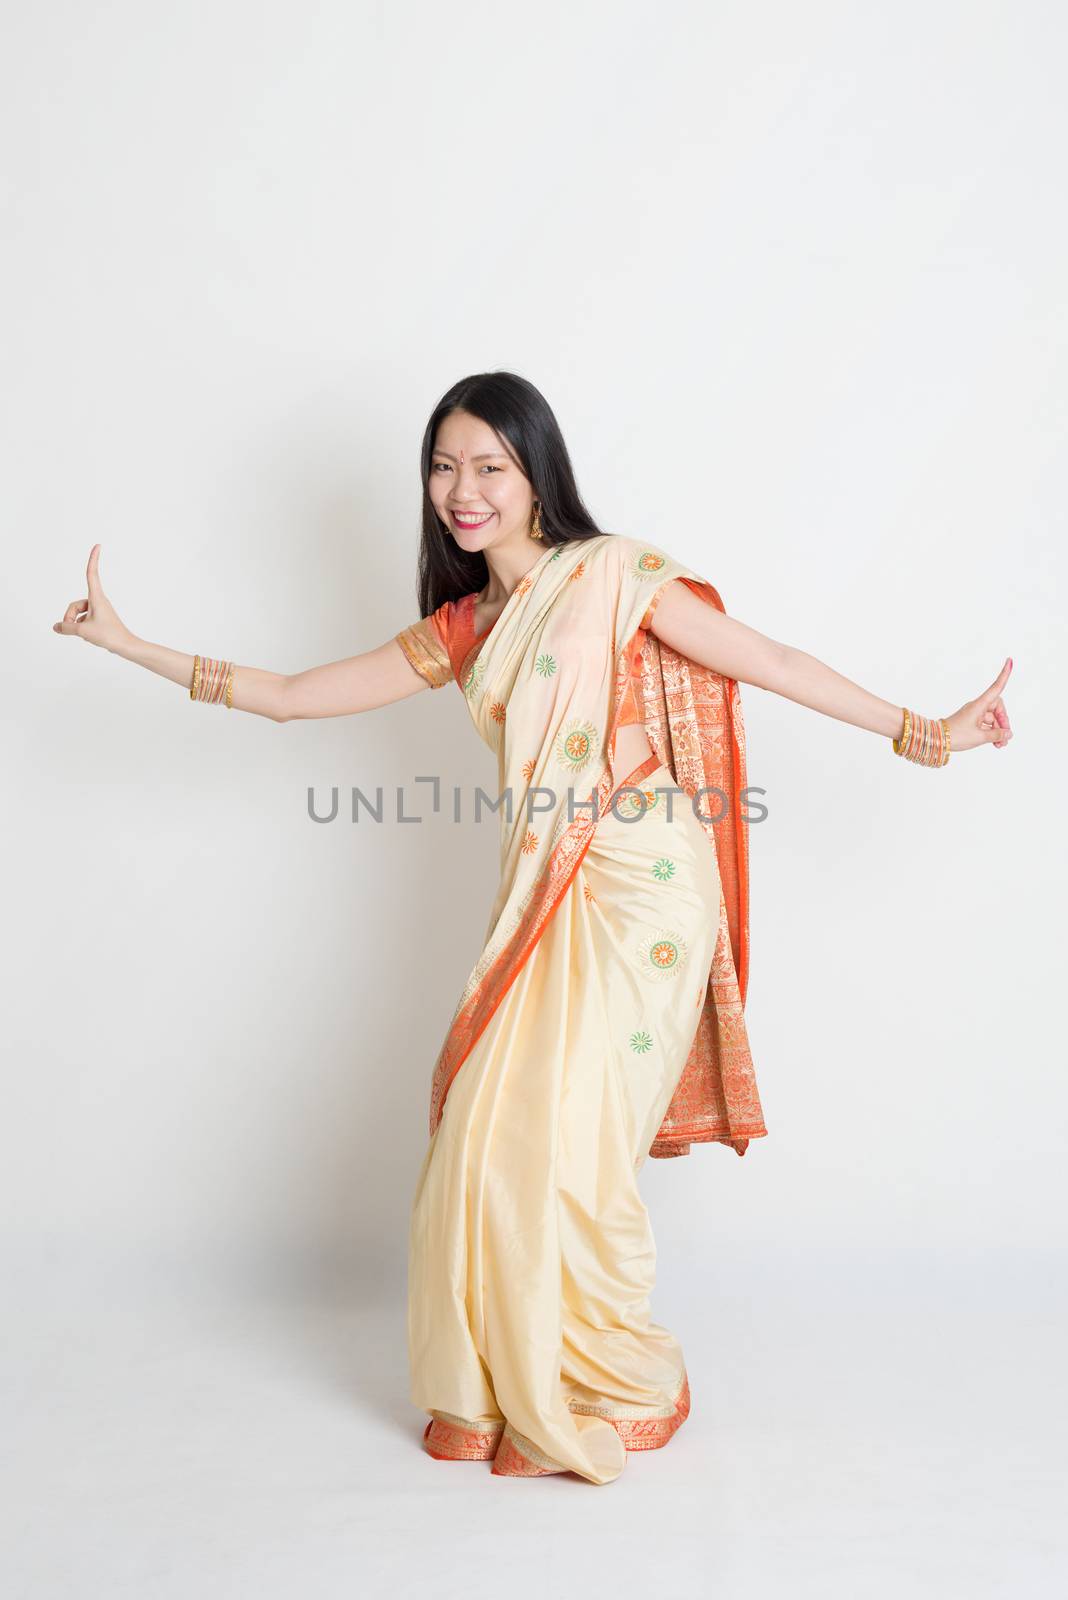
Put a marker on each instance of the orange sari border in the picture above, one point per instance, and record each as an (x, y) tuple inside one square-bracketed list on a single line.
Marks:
[(693, 720), (450, 1438)]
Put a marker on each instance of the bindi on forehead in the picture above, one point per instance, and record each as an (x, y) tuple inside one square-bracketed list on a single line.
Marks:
[(485, 455)]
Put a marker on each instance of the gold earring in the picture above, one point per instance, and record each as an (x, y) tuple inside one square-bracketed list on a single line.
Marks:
[(536, 529)]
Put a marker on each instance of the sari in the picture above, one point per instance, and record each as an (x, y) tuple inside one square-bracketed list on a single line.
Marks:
[(602, 1022)]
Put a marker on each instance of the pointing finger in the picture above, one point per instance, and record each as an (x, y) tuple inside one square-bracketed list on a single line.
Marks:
[(1001, 680)]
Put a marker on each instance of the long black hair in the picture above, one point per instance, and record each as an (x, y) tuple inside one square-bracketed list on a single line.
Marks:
[(523, 418)]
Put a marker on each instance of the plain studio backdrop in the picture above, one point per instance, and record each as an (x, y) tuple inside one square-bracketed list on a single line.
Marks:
[(792, 278)]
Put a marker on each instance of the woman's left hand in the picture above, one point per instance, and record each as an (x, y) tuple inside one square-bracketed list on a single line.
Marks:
[(983, 720)]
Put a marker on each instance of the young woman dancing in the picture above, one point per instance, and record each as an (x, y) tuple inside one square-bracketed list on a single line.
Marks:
[(603, 1020)]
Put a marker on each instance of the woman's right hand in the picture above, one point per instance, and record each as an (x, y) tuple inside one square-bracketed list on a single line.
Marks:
[(94, 619)]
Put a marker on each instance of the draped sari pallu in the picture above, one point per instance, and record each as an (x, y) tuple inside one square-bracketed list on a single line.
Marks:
[(603, 1020)]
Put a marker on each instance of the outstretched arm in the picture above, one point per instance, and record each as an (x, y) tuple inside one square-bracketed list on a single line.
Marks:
[(358, 683), (696, 629)]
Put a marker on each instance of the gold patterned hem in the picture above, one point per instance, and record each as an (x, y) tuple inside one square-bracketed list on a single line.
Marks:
[(519, 1457), (451, 1438), (636, 1427)]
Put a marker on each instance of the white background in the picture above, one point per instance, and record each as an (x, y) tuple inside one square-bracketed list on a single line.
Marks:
[(792, 277)]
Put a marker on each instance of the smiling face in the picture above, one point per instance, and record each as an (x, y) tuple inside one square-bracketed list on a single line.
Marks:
[(485, 499)]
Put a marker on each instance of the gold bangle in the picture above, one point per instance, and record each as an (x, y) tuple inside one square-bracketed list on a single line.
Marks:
[(213, 680), (924, 740)]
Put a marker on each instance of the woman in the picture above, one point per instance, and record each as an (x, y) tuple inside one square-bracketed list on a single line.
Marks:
[(603, 1020)]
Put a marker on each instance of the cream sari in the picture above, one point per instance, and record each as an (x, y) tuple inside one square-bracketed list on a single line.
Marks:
[(603, 1020)]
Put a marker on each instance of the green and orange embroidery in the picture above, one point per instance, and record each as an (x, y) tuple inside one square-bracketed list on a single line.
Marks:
[(472, 679), (497, 711), (636, 801), (662, 954), (649, 563), (576, 744), (530, 843), (528, 768), (665, 953)]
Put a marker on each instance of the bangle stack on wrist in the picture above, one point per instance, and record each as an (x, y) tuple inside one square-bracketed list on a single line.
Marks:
[(924, 740), (213, 681)]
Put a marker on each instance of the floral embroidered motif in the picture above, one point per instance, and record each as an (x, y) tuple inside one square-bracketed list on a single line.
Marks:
[(530, 843), (497, 711), (641, 1042), (473, 678), (525, 583), (588, 892), (663, 955), (635, 801), (648, 563), (528, 768), (579, 570), (663, 869), (545, 666), (557, 553), (576, 744)]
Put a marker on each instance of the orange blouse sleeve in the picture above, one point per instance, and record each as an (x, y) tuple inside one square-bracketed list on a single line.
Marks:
[(425, 644)]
